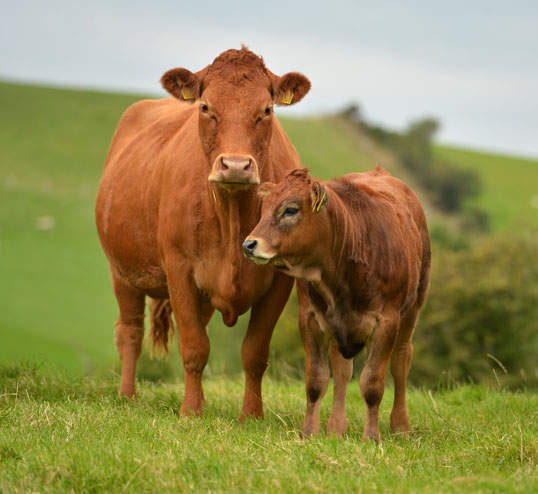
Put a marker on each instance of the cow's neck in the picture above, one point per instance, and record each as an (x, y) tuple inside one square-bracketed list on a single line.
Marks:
[(236, 215)]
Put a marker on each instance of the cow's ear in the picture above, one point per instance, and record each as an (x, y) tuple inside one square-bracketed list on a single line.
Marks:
[(291, 88), (318, 196), (182, 84), (265, 189)]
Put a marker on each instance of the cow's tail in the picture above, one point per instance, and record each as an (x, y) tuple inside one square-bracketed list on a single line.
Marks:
[(162, 325)]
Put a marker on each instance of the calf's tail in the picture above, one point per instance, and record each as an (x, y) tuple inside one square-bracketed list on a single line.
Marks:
[(162, 325)]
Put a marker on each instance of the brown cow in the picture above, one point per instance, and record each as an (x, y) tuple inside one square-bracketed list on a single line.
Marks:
[(360, 248), (178, 197)]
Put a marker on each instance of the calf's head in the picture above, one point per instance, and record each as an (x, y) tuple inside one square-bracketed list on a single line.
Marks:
[(293, 227), (235, 96)]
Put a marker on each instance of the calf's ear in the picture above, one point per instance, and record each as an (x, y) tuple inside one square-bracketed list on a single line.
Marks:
[(318, 196), (265, 189), (291, 88), (182, 84)]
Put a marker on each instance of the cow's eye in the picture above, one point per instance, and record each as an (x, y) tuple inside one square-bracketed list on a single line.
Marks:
[(289, 211), (205, 108), (268, 111)]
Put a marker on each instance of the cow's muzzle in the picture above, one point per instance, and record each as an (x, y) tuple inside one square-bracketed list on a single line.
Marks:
[(233, 171)]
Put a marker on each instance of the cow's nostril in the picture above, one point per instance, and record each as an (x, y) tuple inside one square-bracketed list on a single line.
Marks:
[(249, 246), (248, 165), (223, 165)]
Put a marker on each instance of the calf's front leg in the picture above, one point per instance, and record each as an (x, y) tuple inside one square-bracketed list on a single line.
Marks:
[(316, 344), (342, 372)]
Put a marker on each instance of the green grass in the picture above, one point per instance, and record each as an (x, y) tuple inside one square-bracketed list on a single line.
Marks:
[(61, 434), (510, 186)]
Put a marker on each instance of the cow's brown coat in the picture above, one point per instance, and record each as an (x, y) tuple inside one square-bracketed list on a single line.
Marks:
[(360, 248), (177, 198)]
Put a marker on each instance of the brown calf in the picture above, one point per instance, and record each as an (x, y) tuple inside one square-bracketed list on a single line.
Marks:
[(360, 249), (178, 197)]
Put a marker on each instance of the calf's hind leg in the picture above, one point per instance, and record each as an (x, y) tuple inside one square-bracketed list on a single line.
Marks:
[(129, 331), (400, 363)]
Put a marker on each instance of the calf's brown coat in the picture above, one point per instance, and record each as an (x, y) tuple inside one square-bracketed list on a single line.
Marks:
[(360, 249), (176, 200)]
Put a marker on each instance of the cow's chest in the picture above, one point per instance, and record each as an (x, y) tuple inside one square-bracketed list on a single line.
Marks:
[(232, 286)]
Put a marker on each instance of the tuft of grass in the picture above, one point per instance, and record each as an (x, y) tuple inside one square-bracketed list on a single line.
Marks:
[(64, 434)]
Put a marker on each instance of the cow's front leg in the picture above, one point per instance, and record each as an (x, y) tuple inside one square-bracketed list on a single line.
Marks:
[(342, 372), (191, 319), (255, 348), (372, 380)]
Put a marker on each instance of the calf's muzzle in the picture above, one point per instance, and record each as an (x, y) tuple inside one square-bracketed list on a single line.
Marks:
[(249, 246)]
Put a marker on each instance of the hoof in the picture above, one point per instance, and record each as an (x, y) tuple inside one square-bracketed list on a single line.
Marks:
[(244, 416), (336, 427), (371, 436)]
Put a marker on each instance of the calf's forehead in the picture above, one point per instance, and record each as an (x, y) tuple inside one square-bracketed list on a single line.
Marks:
[(283, 193)]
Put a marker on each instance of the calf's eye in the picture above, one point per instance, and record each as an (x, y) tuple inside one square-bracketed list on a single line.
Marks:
[(289, 211)]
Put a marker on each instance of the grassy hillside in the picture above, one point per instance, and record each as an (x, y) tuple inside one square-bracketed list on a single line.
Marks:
[(510, 186), (57, 303), (74, 435)]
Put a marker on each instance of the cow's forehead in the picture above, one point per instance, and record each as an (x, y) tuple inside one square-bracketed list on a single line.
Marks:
[(230, 97), (238, 68)]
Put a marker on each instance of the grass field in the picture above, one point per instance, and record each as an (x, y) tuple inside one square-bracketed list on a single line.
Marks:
[(57, 304), (61, 434)]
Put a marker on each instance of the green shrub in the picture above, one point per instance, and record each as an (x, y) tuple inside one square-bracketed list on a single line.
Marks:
[(482, 306)]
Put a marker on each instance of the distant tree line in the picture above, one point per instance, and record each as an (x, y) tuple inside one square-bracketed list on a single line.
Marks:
[(448, 186)]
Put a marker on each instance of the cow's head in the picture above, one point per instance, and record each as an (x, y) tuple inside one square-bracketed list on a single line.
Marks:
[(293, 224), (235, 96)]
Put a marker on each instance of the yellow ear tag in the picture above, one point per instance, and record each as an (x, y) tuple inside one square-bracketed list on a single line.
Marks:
[(317, 205), (286, 99), (186, 94)]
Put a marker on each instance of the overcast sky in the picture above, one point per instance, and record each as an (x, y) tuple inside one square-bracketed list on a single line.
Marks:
[(471, 64)]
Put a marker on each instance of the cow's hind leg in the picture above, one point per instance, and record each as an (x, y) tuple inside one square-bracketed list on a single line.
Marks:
[(400, 363), (129, 332), (255, 347), (342, 371), (372, 380)]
